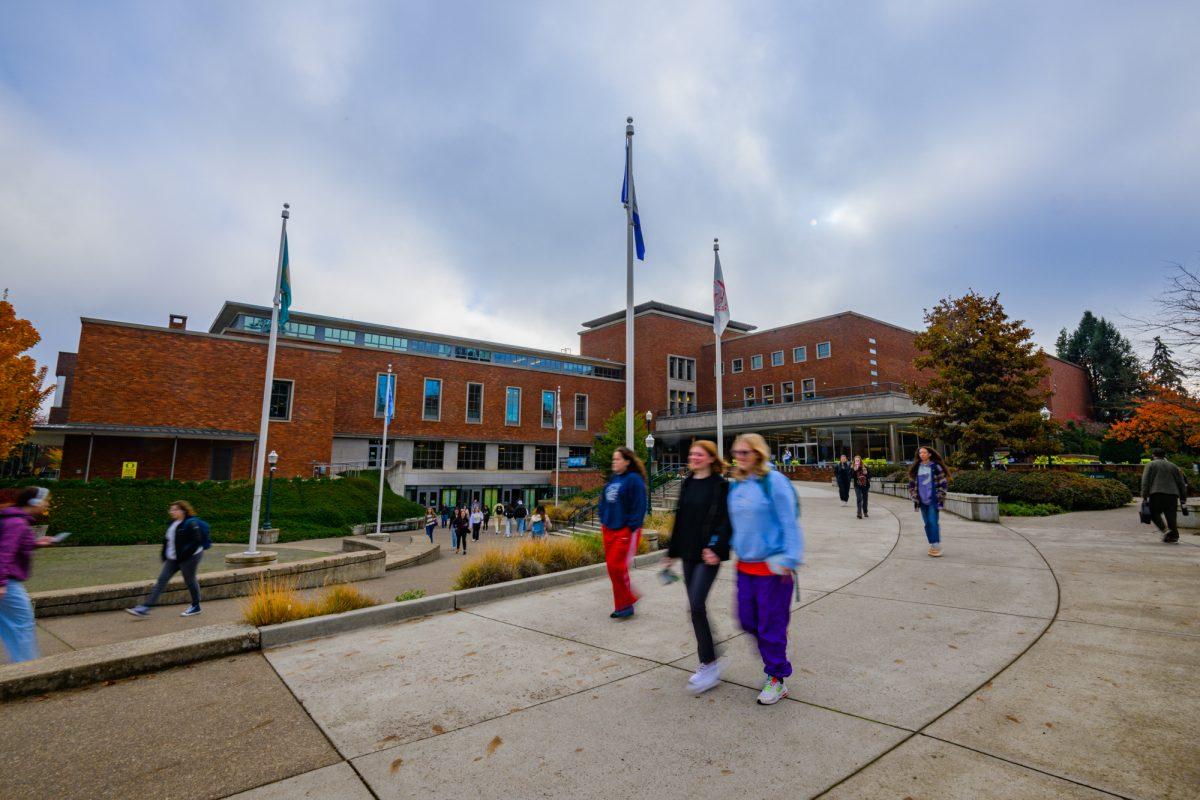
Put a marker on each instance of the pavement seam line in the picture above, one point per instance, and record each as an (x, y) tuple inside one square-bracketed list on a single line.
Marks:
[(51, 633), (947, 605)]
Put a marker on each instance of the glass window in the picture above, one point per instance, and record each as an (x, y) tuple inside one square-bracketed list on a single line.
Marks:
[(339, 335), (874, 373), (581, 412), (474, 402), (281, 400), (808, 387), (251, 323), (777, 358), (736, 365), (431, 409), (384, 342), (799, 354), (428, 455), (547, 408), (472, 353), (681, 402), (768, 394), (373, 447), (756, 362), (512, 405), (823, 349), (300, 330), (511, 456), (748, 396), (871, 341), (544, 457), (471, 455), (872, 351), (874, 363), (787, 392), (381, 393)]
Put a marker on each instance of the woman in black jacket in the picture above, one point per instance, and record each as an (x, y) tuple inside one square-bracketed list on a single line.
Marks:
[(844, 474), (700, 538), (182, 548)]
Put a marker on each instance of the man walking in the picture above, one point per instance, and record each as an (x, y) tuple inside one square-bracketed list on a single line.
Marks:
[(1164, 486)]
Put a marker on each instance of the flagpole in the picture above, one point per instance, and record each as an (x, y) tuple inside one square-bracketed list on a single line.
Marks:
[(388, 400), (629, 284), (557, 438), (260, 457), (720, 391)]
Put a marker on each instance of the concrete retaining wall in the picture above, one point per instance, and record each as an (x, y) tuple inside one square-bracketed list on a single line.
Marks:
[(978, 507)]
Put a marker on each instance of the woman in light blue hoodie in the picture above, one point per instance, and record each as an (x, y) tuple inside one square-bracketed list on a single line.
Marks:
[(764, 511)]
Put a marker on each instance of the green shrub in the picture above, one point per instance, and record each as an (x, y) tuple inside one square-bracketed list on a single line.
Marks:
[(1067, 490), (1029, 510), (411, 594)]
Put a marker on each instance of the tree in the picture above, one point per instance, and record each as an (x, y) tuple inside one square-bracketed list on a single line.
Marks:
[(985, 392), (1164, 370), (1082, 437), (614, 437), (1113, 371), (1166, 418), (1178, 317), (21, 379)]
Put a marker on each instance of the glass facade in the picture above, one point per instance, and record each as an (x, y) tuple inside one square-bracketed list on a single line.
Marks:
[(512, 405), (428, 455), (471, 455), (544, 457), (431, 408), (511, 456)]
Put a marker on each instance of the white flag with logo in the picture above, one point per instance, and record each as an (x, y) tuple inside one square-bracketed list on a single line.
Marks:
[(720, 300), (557, 414)]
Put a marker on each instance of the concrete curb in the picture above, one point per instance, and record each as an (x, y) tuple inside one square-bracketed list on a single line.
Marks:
[(123, 659)]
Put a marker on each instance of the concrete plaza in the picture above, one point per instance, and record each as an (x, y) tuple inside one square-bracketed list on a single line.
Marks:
[(1049, 657)]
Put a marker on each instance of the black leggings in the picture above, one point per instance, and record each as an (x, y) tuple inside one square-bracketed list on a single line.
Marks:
[(699, 577), (861, 493)]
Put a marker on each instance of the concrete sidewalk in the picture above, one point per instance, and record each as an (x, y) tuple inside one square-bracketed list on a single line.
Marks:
[(1050, 657)]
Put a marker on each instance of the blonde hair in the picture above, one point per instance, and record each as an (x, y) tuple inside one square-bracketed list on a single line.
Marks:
[(759, 445), (718, 466)]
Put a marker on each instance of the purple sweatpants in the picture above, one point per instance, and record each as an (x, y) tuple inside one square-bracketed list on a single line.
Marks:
[(763, 607)]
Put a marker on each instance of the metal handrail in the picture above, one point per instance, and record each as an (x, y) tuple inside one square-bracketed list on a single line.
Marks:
[(658, 480), (799, 399)]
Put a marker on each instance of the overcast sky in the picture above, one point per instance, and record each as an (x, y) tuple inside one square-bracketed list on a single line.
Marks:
[(455, 166)]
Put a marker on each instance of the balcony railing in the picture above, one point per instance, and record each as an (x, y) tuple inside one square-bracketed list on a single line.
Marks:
[(798, 399)]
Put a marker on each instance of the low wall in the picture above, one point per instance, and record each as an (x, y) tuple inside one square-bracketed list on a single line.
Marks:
[(346, 567), (978, 507), (410, 524), (1192, 520)]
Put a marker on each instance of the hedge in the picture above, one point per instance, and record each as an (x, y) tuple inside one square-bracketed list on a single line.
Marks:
[(1064, 489), (135, 511)]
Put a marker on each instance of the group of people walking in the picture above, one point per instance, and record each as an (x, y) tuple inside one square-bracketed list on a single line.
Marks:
[(928, 481), (466, 524)]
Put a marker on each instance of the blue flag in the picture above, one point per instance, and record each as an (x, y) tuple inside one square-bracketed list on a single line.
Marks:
[(629, 195), (386, 396), (285, 286)]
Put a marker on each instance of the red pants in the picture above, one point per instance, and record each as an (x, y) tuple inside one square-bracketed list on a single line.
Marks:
[(620, 546)]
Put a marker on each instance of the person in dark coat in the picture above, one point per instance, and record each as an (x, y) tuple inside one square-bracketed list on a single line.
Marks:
[(1164, 487), (844, 474), (700, 538), (182, 548)]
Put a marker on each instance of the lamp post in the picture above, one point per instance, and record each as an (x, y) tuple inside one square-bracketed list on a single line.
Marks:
[(1045, 413), (272, 459), (649, 441)]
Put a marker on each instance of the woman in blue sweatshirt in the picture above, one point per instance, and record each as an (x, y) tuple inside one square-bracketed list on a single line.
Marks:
[(764, 511), (622, 509)]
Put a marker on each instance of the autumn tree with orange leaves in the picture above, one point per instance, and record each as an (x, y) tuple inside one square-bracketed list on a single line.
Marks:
[(21, 379), (1164, 418)]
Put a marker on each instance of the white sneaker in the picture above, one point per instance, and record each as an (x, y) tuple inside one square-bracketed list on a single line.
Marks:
[(772, 692), (706, 677)]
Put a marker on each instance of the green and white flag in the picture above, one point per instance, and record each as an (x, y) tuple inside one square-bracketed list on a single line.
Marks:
[(285, 286)]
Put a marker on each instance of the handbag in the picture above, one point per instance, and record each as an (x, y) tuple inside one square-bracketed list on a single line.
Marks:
[(1144, 512)]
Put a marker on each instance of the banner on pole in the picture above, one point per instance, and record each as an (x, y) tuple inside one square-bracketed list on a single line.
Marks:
[(720, 299)]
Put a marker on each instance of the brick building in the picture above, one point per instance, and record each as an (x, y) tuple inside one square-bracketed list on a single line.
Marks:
[(475, 420)]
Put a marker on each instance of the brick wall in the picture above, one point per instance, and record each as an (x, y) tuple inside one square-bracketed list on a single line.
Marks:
[(583, 478), (193, 459), (1068, 386), (65, 368)]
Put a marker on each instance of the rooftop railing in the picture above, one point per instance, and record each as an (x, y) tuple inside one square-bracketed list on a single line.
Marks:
[(800, 398)]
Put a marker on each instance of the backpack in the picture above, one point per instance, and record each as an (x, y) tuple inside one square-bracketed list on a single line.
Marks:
[(765, 485), (205, 533)]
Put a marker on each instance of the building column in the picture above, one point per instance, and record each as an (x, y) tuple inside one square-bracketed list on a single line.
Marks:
[(530, 458), (450, 456), (895, 456), (491, 457)]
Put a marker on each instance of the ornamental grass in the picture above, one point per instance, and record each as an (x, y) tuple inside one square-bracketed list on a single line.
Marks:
[(276, 600)]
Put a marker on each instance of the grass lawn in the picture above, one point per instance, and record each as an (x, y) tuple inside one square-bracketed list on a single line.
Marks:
[(72, 567)]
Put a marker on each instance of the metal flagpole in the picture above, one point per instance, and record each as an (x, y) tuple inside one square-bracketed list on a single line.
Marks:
[(388, 400), (557, 438), (718, 300), (629, 283), (260, 459)]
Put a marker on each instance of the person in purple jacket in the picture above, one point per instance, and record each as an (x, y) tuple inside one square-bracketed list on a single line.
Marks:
[(17, 543)]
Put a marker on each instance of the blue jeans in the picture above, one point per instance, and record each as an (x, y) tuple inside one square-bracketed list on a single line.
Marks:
[(521, 525), (929, 515), (429, 532), (170, 567), (17, 628)]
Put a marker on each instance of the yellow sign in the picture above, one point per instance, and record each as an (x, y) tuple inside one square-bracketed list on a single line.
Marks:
[(128, 469)]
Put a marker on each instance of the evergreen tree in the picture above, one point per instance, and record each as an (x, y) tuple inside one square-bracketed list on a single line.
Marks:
[(1164, 370), (614, 437), (985, 392), (1114, 372)]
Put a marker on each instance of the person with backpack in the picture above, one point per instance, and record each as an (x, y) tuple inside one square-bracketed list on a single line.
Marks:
[(1164, 487), (510, 514), (700, 538), (861, 476), (476, 522), (843, 473), (764, 513), (498, 513), (431, 521), (622, 509), (928, 481), (521, 513), (183, 546), (18, 630)]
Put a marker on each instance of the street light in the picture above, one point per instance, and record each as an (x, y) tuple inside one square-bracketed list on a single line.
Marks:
[(272, 459), (1045, 412), (649, 441)]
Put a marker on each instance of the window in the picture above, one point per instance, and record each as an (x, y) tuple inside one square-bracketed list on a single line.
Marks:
[(281, 400), (799, 354), (768, 394), (512, 405), (474, 402), (471, 455), (777, 358), (681, 369), (339, 335), (373, 446), (874, 373), (384, 342), (823, 349), (756, 362), (872, 351), (581, 412), (545, 457), (748, 396), (547, 408), (511, 456), (787, 392), (681, 402), (735, 366), (300, 330), (874, 383), (870, 341), (874, 363), (808, 387), (431, 409), (472, 353), (428, 455), (381, 381)]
